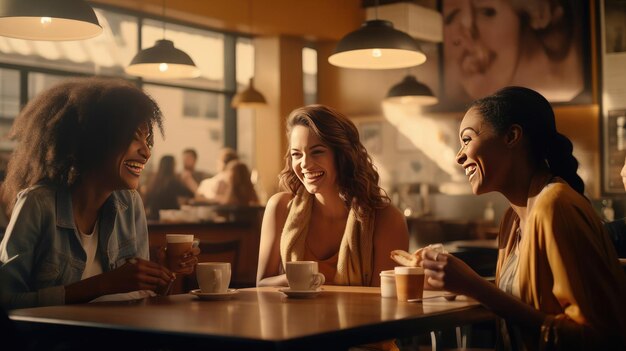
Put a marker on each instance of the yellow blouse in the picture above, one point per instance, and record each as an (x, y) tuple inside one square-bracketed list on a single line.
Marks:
[(567, 265)]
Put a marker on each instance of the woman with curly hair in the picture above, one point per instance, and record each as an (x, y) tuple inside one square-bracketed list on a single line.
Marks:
[(333, 210), (78, 229)]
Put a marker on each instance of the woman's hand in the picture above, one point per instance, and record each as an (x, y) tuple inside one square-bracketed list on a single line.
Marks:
[(444, 271), (279, 280), (186, 263), (138, 274)]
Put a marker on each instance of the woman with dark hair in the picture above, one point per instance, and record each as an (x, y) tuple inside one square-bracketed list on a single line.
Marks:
[(558, 281), (78, 229), (239, 190), (333, 210), (165, 189)]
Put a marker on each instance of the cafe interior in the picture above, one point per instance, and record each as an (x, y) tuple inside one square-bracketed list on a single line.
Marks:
[(227, 73)]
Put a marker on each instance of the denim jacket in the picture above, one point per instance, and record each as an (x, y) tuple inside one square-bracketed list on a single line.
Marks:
[(41, 250)]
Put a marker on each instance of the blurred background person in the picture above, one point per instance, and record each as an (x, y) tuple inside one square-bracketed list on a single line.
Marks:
[(216, 186), (238, 190), (190, 176), (165, 191), (491, 44)]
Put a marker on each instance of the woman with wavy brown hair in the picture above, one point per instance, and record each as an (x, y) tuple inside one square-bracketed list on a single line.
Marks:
[(333, 210)]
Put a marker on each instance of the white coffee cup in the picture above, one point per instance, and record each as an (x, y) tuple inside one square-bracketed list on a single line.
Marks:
[(304, 275), (213, 277), (388, 283)]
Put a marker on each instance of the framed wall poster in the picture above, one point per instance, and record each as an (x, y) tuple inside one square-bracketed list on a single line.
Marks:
[(613, 93), (543, 45)]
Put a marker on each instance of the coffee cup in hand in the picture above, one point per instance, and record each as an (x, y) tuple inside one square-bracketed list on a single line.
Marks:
[(177, 246), (213, 277), (409, 283), (304, 275)]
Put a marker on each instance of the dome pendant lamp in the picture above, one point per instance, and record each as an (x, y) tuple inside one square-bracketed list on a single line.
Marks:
[(163, 61), (377, 45), (411, 91), (48, 20), (249, 98)]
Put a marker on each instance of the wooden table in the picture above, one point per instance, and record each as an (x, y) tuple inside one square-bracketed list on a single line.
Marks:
[(255, 319)]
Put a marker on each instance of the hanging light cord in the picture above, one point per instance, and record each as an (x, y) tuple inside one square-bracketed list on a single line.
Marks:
[(163, 18), (376, 9)]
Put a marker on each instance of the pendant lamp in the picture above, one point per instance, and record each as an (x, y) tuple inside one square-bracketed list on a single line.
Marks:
[(250, 97), (163, 61), (48, 20), (377, 45), (411, 91)]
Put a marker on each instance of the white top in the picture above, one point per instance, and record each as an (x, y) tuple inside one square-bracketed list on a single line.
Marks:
[(211, 187), (93, 266)]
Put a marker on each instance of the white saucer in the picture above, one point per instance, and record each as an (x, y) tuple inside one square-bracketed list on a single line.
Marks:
[(214, 296), (301, 294)]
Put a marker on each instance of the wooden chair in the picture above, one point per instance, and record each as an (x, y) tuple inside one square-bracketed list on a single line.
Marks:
[(220, 251)]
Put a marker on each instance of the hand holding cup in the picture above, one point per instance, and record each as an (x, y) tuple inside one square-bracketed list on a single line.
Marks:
[(181, 253)]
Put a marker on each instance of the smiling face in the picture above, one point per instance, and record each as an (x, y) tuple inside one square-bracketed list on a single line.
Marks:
[(312, 161), (123, 171), (483, 154), (481, 44)]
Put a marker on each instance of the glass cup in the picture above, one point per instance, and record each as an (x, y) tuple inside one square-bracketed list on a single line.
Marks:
[(409, 283), (177, 245)]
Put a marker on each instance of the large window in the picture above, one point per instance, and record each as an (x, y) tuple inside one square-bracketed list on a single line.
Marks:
[(9, 105), (190, 122), (197, 111), (309, 79)]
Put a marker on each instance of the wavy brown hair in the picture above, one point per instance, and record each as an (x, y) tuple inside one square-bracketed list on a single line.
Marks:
[(357, 175), (72, 127), (240, 189)]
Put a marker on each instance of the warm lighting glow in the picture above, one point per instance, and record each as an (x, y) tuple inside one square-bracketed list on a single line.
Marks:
[(163, 67), (48, 20), (377, 45)]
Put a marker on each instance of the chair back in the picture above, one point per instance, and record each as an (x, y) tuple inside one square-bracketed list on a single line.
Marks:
[(217, 251)]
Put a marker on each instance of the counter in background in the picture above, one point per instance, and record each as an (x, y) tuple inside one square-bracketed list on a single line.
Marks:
[(235, 240), (429, 230)]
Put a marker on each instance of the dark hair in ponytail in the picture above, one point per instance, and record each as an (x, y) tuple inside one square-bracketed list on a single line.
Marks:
[(531, 111)]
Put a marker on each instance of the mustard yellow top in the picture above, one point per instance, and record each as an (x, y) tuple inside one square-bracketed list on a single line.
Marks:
[(567, 265)]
